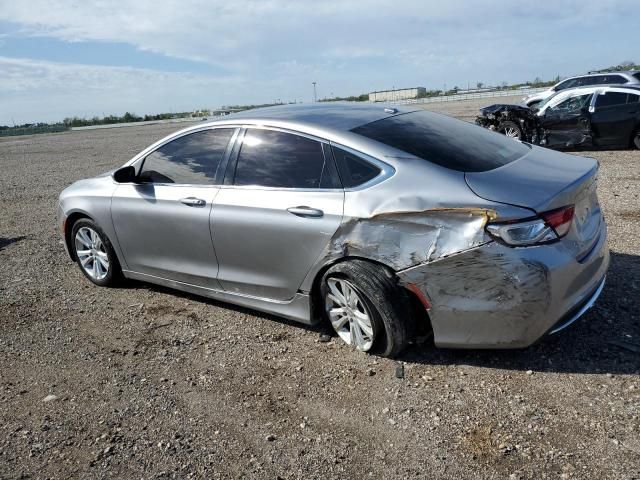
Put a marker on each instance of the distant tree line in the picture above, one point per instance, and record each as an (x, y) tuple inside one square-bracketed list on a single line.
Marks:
[(126, 118), (353, 98), (31, 128), (67, 123), (624, 66)]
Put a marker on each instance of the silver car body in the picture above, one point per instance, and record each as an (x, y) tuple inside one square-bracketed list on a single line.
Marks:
[(595, 79), (423, 221)]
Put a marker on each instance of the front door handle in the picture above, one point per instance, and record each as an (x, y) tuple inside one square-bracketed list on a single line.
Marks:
[(193, 202), (304, 211)]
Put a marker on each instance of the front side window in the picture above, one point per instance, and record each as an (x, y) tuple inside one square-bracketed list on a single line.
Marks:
[(573, 104), (572, 82), (611, 99), (191, 159), (444, 141), (588, 81), (270, 158)]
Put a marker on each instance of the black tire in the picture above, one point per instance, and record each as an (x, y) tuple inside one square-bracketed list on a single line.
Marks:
[(113, 272), (508, 126), (386, 302), (635, 140)]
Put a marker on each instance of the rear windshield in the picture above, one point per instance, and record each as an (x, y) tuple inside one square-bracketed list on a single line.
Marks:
[(445, 141)]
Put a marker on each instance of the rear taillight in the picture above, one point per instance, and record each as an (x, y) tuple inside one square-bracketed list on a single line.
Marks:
[(559, 219), (549, 226)]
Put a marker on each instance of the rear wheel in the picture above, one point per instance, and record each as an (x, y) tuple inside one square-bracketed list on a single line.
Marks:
[(366, 307), (636, 139), (510, 129), (94, 253)]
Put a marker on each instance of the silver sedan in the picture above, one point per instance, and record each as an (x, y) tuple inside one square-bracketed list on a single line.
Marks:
[(388, 223)]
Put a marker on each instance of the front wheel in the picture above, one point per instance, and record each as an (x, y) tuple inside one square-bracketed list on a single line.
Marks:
[(94, 253), (510, 129), (366, 307), (636, 139)]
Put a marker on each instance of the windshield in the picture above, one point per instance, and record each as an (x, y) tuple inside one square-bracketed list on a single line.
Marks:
[(544, 102), (445, 141)]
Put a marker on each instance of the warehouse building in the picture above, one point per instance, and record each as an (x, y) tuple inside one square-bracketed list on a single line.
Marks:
[(399, 94)]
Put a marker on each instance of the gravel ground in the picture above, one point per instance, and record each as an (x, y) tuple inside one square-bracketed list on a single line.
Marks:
[(143, 382)]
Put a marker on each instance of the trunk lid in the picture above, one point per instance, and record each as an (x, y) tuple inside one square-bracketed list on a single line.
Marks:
[(544, 180)]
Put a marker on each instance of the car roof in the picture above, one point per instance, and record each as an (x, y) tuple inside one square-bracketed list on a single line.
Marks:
[(341, 116), (627, 73), (597, 88), (330, 121)]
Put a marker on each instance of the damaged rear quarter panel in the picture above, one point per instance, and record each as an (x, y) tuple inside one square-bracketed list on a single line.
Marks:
[(422, 214), (403, 239)]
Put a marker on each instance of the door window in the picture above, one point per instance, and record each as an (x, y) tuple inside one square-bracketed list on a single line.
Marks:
[(587, 81), (270, 158), (191, 159), (610, 99), (572, 82), (573, 104)]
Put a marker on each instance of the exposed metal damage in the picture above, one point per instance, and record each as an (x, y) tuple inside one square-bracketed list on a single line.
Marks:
[(404, 239)]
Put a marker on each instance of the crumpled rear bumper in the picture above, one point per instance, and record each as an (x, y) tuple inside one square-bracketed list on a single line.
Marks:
[(494, 296)]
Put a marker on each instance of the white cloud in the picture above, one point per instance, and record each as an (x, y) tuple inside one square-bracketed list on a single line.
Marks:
[(276, 48), (48, 91)]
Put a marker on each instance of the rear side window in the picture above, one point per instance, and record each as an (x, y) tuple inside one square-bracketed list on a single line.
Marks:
[(191, 159), (611, 99), (354, 171), (618, 79), (445, 141), (270, 158)]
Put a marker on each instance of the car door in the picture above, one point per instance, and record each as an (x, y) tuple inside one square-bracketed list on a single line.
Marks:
[(613, 119), (162, 221), (567, 123), (280, 206)]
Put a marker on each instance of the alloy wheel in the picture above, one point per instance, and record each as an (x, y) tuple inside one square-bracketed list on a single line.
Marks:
[(92, 253), (348, 314), (511, 132)]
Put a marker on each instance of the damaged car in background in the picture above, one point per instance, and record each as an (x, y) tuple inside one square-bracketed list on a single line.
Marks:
[(590, 117), (388, 223)]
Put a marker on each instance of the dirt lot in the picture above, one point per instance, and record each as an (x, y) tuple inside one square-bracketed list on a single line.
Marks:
[(143, 382)]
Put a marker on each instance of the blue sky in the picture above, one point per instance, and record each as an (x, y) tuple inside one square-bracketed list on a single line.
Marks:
[(86, 58)]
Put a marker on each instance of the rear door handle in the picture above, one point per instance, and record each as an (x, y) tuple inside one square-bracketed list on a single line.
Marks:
[(193, 202), (304, 211)]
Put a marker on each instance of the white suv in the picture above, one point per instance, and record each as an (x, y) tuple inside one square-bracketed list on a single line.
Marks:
[(610, 78)]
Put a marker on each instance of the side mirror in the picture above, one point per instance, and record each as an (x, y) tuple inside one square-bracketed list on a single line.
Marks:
[(125, 174)]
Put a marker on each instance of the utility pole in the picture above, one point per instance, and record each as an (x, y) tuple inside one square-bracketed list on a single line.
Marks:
[(315, 96)]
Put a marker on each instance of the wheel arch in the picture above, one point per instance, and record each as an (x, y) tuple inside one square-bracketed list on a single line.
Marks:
[(69, 222), (634, 134), (420, 321)]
